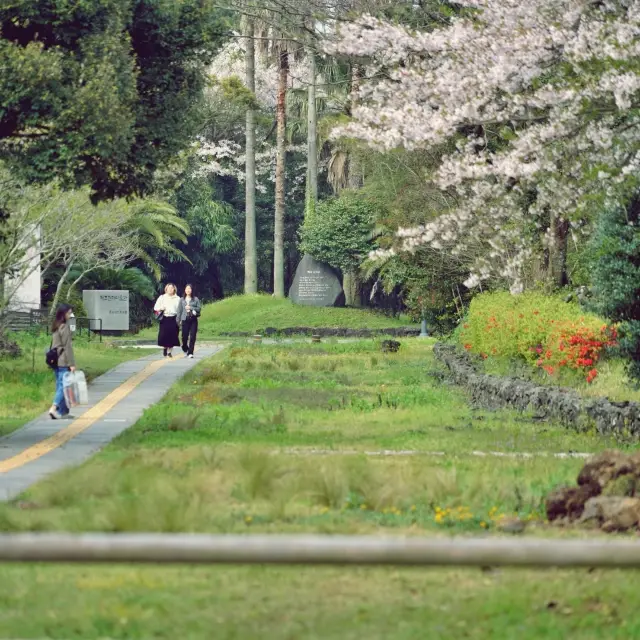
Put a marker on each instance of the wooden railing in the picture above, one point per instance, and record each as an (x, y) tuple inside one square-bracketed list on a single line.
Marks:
[(319, 550)]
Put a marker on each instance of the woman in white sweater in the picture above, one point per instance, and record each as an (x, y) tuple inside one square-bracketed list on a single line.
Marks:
[(166, 311)]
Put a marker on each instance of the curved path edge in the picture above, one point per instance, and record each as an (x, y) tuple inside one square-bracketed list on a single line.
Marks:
[(118, 399)]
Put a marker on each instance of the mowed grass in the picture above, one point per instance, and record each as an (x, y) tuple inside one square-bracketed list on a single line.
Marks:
[(27, 385), (255, 313), (274, 439)]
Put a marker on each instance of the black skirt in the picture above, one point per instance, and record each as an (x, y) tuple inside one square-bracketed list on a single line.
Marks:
[(168, 333)]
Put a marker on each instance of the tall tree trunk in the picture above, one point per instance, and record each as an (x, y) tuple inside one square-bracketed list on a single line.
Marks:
[(281, 116), (355, 175), (250, 249), (352, 284), (557, 266), (312, 140)]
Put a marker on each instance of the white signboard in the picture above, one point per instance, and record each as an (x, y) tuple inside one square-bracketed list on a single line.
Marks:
[(112, 307)]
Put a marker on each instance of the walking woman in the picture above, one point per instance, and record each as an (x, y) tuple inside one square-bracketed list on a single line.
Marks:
[(166, 310), (62, 343), (190, 308)]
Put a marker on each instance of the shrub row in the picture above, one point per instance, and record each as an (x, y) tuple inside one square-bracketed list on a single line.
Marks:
[(543, 330)]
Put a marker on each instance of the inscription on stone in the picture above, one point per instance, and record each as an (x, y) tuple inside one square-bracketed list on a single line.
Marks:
[(316, 284)]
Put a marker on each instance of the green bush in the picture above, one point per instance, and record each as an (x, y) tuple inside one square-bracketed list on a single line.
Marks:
[(542, 330), (340, 231), (616, 277)]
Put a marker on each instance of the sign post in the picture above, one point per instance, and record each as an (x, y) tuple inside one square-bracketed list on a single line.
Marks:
[(110, 307)]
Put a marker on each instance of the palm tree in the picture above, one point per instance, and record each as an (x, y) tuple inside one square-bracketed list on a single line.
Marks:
[(312, 137), (157, 227), (281, 150), (250, 247)]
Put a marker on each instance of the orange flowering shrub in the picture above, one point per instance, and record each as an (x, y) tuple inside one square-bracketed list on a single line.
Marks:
[(543, 330)]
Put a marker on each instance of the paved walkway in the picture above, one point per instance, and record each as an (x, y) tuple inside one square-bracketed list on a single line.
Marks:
[(118, 399)]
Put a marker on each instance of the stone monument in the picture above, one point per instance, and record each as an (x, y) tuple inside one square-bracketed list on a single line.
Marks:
[(112, 307), (316, 284)]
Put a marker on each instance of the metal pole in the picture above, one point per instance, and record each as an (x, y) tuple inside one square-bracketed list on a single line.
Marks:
[(318, 550), (423, 328)]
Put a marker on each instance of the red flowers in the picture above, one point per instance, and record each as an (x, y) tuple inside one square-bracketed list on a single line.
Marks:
[(580, 347)]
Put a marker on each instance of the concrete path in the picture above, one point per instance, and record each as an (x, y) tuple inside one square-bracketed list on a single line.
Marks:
[(117, 400)]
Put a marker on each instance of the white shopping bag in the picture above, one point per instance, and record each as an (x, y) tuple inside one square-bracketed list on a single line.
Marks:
[(74, 385)]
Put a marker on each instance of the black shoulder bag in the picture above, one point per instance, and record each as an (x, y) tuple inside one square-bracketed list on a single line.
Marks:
[(51, 356)]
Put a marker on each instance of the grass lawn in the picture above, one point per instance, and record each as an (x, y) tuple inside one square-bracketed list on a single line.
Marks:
[(258, 312), (235, 448), (291, 603), (27, 384)]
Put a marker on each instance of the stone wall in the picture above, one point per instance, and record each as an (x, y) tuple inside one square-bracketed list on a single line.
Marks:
[(618, 419)]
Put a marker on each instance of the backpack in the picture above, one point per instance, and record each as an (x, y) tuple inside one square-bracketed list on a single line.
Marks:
[(51, 356)]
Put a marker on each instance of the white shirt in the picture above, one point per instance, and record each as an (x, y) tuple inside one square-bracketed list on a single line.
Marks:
[(168, 304)]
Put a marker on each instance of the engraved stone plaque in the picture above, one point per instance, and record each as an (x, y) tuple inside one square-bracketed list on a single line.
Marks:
[(316, 285)]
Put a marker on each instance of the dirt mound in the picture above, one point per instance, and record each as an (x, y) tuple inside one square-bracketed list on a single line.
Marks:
[(607, 495)]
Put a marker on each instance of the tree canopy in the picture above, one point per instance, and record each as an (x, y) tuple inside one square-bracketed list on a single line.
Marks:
[(102, 92), (340, 231), (532, 108)]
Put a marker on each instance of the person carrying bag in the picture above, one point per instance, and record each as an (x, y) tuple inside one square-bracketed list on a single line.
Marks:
[(61, 359), (188, 313)]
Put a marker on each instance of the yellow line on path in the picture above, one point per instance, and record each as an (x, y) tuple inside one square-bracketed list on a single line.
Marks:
[(80, 424)]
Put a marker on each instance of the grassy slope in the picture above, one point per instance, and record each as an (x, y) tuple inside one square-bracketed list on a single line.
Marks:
[(256, 313), (27, 384), (212, 457)]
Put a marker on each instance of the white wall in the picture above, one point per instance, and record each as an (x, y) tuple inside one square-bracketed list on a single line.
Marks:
[(28, 294)]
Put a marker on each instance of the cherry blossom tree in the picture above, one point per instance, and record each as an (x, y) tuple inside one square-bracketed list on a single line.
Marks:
[(534, 107)]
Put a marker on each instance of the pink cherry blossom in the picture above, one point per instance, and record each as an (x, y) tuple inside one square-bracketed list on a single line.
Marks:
[(536, 102)]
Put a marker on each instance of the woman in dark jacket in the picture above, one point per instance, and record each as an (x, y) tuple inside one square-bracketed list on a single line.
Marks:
[(188, 313), (62, 343)]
